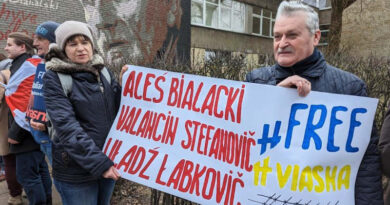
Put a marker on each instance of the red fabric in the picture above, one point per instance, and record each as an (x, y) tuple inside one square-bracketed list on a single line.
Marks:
[(18, 90)]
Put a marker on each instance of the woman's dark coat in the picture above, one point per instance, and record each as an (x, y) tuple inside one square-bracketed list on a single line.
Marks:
[(82, 120)]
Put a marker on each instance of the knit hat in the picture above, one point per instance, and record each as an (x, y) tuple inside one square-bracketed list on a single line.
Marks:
[(46, 30), (69, 29)]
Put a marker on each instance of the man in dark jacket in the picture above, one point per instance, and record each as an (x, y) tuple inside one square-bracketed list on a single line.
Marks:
[(44, 36), (384, 147), (31, 168), (302, 66)]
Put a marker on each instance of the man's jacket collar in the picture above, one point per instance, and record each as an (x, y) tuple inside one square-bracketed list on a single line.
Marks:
[(310, 68)]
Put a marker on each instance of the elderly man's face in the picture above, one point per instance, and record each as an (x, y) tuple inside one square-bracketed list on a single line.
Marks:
[(293, 41), (134, 29)]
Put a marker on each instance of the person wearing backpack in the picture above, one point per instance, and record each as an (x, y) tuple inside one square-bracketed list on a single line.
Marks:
[(81, 116)]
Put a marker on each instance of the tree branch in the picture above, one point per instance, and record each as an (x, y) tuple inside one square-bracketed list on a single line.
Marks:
[(347, 3)]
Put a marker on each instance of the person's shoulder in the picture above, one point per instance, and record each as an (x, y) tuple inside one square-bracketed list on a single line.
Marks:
[(50, 76), (261, 75), (5, 64), (342, 74), (346, 82), (32, 61)]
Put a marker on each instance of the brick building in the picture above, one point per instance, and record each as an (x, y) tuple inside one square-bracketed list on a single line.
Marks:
[(232, 27), (133, 30), (243, 27), (196, 29), (366, 28)]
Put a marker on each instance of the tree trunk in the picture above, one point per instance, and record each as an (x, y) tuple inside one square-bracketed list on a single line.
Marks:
[(336, 23)]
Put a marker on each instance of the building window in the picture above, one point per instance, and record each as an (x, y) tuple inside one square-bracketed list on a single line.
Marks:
[(213, 55), (263, 22), (209, 55), (327, 5), (220, 14), (314, 3), (324, 34), (320, 4)]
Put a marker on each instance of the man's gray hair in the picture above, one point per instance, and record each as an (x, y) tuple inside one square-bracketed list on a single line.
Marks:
[(288, 8)]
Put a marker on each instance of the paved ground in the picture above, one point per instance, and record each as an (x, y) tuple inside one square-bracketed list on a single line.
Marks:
[(4, 195)]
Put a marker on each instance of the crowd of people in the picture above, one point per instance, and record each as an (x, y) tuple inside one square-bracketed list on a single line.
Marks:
[(82, 113), (81, 118)]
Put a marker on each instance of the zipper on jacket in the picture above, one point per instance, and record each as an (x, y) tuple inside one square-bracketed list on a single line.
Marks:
[(104, 100), (100, 83), (105, 105)]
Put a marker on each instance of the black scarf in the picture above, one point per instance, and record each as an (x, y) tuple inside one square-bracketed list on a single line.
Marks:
[(301, 66), (17, 62), (312, 66)]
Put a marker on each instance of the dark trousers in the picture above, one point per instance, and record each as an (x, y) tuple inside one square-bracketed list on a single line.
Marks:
[(33, 174), (97, 192), (15, 189)]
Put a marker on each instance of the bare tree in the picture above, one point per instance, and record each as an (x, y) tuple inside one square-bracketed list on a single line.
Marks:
[(338, 6)]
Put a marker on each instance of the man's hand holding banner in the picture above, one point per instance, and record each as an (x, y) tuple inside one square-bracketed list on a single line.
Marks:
[(216, 141)]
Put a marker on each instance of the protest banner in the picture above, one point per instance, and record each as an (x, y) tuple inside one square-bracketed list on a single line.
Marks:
[(36, 109), (215, 141)]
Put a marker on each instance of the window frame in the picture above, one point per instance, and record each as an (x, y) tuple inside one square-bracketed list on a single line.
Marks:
[(220, 6), (326, 41), (261, 17)]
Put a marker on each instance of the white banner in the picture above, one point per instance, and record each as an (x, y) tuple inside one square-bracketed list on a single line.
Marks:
[(215, 141)]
